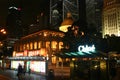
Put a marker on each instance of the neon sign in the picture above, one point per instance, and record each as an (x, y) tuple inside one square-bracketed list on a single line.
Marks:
[(33, 53), (86, 48), (19, 54)]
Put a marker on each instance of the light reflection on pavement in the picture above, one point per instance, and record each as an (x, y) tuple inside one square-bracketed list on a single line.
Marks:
[(2, 77), (11, 75)]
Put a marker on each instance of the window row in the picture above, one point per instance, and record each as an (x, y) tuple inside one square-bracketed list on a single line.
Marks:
[(38, 45)]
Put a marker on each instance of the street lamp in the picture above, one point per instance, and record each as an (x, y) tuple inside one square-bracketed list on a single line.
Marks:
[(3, 31), (3, 34), (1, 44)]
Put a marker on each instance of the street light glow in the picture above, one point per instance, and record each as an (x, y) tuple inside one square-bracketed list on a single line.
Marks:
[(3, 31)]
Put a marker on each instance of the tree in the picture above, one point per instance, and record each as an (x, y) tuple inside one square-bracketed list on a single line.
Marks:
[(80, 35), (75, 36)]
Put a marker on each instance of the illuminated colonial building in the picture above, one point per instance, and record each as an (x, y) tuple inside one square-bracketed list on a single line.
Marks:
[(36, 48), (111, 18), (68, 21)]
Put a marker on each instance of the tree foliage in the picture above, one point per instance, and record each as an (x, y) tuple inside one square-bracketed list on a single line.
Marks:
[(75, 37), (80, 35)]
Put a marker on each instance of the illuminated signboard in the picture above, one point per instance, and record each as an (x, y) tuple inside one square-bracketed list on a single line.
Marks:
[(86, 48), (33, 53), (38, 66), (14, 64), (25, 52), (41, 52), (19, 54)]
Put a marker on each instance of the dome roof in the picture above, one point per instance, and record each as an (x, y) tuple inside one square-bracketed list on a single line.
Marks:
[(66, 23), (68, 20)]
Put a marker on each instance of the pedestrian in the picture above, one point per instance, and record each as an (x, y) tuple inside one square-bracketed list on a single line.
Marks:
[(29, 72), (20, 72)]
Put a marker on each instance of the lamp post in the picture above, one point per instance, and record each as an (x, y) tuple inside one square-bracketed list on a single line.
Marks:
[(3, 31), (2, 34)]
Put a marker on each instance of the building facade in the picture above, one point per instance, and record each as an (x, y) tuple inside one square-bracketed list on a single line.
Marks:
[(14, 21), (37, 48), (111, 18)]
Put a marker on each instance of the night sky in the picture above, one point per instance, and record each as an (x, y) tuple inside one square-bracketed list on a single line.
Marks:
[(30, 9)]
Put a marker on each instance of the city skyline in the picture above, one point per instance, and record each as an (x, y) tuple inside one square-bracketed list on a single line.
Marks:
[(30, 10), (60, 39)]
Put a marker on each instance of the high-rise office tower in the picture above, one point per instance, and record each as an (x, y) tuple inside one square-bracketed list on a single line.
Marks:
[(94, 14), (59, 10), (14, 22), (111, 18)]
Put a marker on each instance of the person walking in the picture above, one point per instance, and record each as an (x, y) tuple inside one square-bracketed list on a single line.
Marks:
[(20, 72), (29, 72)]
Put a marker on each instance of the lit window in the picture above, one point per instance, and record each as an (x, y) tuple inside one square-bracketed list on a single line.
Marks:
[(45, 33), (39, 44), (31, 45), (54, 44), (47, 44), (24, 46), (54, 59), (35, 45), (60, 45), (27, 46)]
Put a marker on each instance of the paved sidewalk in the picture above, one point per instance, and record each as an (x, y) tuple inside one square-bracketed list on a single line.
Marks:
[(12, 74)]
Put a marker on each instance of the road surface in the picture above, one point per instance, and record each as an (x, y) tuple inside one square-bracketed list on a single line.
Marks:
[(2, 77)]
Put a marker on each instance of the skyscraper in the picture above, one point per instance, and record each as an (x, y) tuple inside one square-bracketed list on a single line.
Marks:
[(94, 14), (111, 18), (14, 22)]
